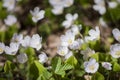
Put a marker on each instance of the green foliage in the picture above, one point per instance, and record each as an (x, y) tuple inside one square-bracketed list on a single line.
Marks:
[(98, 76), (116, 67)]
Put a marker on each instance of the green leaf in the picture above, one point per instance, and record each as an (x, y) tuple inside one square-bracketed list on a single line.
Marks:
[(98, 76), (66, 67), (56, 63), (72, 61), (116, 67), (39, 72), (9, 66)]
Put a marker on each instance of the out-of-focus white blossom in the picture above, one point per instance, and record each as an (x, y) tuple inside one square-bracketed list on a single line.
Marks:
[(17, 38), (116, 34), (37, 14), (112, 4), (115, 50), (102, 22), (43, 57), (62, 50), (57, 10), (87, 53), (68, 55), (76, 29), (107, 65), (67, 39), (2, 47), (12, 49), (22, 58), (9, 4), (26, 41), (35, 42), (69, 20), (93, 34), (99, 6), (76, 44), (59, 5), (91, 66), (10, 20)]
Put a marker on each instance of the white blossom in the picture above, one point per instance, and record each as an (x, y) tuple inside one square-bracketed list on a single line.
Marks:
[(112, 4), (67, 39), (115, 50), (76, 29), (2, 47), (9, 4), (102, 22), (43, 57), (10, 20), (22, 58), (37, 14), (76, 44), (57, 10), (62, 50), (68, 55), (99, 6), (35, 42), (91, 66), (17, 38), (69, 20), (116, 34), (59, 5), (26, 41), (93, 34), (12, 49), (107, 65), (87, 53)]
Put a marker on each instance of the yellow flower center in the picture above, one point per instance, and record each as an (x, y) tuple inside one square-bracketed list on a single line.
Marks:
[(1, 50), (92, 67), (117, 53), (70, 41), (62, 52)]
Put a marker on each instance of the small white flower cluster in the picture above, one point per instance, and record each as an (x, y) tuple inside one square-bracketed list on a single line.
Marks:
[(37, 14), (59, 5), (69, 20), (10, 20), (115, 48), (100, 6), (68, 42), (93, 34), (17, 42)]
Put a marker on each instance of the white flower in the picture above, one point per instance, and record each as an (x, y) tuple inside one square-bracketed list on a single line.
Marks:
[(62, 50), (26, 41), (57, 10), (35, 41), (116, 34), (22, 58), (9, 4), (99, 6), (94, 34), (67, 39), (10, 20), (2, 47), (107, 65), (43, 57), (69, 20), (17, 38), (91, 66), (37, 14), (87, 53), (68, 3), (102, 22), (59, 5), (12, 49), (68, 55), (76, 29), (76, 44), (115, 50), (112, 4)]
